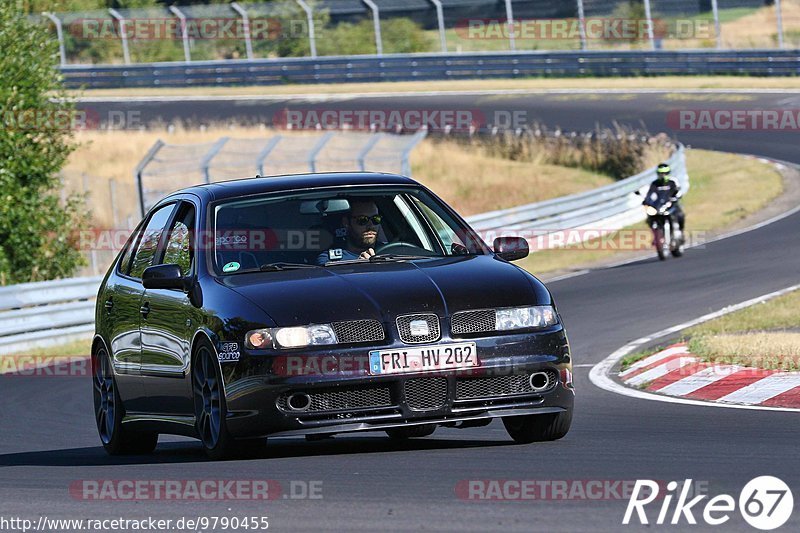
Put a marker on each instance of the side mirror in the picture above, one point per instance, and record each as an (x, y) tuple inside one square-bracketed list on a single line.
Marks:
[(165, 277), (511, 248), (637, 193)]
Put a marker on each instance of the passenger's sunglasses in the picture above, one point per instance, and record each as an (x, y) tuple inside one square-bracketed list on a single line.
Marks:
[(362, 220)]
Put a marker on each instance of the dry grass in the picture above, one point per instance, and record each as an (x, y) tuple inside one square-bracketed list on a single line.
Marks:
[(530, 84), (778, 313), (469, 180), (721, 193), (765, 349), (69, 350)]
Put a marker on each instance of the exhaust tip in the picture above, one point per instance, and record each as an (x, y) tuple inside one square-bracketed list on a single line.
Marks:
[(540, 381), (299, 401)]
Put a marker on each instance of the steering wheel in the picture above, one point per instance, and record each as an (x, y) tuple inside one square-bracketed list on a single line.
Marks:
[(388, 247)]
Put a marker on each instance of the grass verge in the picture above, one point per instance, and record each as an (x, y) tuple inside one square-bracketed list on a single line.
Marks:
[(717, 198), (530, 84), (764, 336)]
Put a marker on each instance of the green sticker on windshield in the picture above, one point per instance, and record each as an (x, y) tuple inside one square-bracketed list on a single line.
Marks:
[(233, 266)]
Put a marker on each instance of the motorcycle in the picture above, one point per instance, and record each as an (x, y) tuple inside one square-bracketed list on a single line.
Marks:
[(667, 238)]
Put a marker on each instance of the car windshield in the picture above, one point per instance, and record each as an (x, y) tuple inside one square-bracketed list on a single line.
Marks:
[(335, 227)]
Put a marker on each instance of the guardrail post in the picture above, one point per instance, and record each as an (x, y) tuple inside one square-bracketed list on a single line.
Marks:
[(648, 15), (312, 38), (264, 153), (582, 24), (248, 43), (717, 26), (205, 163), (60, 35), (184, 32), (149, 156), (312, 155), (123, 35), (440, 20), (376, 21), (779, 17), (362, 154), (510, 21)]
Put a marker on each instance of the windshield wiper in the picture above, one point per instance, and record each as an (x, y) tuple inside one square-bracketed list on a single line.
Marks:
[(397, 257), (274, 267)]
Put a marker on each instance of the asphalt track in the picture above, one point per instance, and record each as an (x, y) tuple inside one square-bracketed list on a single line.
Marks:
[(48, 439)]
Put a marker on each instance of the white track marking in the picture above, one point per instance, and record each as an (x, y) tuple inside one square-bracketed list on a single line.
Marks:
[(600, 374), (763, 389), (660, 370), (700, 379), (647, 361)]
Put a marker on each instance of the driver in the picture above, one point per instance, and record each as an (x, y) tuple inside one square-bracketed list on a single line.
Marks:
[(361, 225), (664, 181)]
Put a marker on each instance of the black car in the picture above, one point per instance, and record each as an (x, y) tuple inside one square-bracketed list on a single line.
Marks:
[(320, 304)]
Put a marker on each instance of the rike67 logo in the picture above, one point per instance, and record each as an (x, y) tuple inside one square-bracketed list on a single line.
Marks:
[(765, 503)]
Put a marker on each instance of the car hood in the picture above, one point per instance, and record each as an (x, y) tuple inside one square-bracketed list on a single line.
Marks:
[(386, 290)]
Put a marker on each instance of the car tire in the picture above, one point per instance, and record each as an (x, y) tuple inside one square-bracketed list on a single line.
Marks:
[(210, 408), (411, 432), (538, 428), (109, 411)]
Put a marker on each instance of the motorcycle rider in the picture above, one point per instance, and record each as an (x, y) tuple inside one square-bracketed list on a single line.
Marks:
[(664, 181)]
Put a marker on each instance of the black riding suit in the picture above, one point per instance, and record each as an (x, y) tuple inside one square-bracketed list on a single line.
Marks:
[(674, 194)]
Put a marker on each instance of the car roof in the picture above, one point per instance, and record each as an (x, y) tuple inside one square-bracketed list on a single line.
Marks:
[(265, 184)]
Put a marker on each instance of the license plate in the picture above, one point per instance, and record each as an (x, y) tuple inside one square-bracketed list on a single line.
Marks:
[(423, 358)]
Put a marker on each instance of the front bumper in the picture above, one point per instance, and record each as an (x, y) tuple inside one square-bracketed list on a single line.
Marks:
[(345, 397)]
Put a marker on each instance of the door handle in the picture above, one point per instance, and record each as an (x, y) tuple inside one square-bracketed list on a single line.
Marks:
[(145, 309), (109, 304)]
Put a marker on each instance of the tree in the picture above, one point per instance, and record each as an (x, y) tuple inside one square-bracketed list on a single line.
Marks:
[(37, 230)]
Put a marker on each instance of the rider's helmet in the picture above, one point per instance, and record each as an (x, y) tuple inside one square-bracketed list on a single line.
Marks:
[(663, 172)]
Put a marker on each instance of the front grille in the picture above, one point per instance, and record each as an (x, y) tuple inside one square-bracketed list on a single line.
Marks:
[(358, 331), (425, 394), (492, 387), (340, 400), (431, 323), (466, 322)]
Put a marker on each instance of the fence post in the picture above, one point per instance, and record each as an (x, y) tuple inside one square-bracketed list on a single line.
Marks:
[(312, 37), (440, 19), (60, 34), (248, 43), (264, 153), (312, 155), (205, 163), (123, 35), (717, 26), (149, 156), (582, 24), (184, 32), (376, 21), (779, 17), (510, 21), (112, 192), (648, 15), (362, 154)]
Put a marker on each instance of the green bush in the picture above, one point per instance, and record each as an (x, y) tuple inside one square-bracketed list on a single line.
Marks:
[(37, 230)]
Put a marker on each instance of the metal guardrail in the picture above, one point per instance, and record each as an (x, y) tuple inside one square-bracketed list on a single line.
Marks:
[(46, 313), (409, 67)]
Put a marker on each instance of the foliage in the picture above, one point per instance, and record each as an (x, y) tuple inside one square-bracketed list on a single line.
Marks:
[(36, 229)]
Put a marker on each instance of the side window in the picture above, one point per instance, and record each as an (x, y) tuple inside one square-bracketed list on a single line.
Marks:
[(446, 234), (179, 244), (148, 241), (125, 263)]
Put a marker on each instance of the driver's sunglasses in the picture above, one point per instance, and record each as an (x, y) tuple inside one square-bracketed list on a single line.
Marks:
[(362, 220)]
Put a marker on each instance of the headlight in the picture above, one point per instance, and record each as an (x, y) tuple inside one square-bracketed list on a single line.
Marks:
[(539, 316), (650, 210), (297, 337)]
